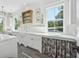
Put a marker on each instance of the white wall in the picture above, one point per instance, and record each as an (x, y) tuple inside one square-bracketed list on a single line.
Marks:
[(69, 19), (7, 23), (32, 27), (77, 22)]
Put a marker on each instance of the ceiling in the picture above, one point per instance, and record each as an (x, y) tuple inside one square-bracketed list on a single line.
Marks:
[(13, 5)]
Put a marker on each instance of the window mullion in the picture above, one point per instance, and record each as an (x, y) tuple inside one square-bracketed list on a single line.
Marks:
[(54, 20)]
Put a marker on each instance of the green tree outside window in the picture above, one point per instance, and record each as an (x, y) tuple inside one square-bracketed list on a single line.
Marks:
[(55, 19), (17, 24), (1, 25)]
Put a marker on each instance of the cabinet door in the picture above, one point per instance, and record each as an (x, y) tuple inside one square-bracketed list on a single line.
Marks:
[(21, 39), (58, 49), (68, 47), (8, 48), (73, 52), (63, 49), (27, 40), (36, 42)]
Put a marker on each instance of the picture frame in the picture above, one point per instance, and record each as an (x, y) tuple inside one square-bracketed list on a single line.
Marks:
[(39, 17)]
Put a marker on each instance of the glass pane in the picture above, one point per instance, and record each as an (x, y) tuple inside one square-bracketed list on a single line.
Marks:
[(1, 24), (51, 14), (55, 19), (59, 12), (59, 19), (17, 24), (51, 18)]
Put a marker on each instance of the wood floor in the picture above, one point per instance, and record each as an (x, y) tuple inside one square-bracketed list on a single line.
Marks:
[(25, 52)]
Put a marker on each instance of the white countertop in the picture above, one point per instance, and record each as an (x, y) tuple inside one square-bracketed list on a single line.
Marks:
[(53, 34), (5, 37), (60, 35), (49, 34)]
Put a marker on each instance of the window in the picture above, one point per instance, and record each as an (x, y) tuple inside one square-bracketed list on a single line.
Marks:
[(17, 24), (55, 18), (1, 24)]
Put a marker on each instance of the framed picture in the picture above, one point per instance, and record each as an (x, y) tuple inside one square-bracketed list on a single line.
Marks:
[(27, 16), (39, 16)]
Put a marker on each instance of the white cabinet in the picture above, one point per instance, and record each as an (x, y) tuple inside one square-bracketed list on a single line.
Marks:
[(8, 48), (33, 41)]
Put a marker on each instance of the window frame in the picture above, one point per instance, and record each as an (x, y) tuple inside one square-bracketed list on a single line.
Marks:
[(2, 21), (52, 6)]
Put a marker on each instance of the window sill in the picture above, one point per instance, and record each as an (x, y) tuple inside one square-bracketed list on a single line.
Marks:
[(54, 33), (60, 35)]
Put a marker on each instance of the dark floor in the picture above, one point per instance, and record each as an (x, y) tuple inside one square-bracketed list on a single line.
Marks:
[(24, 52)]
